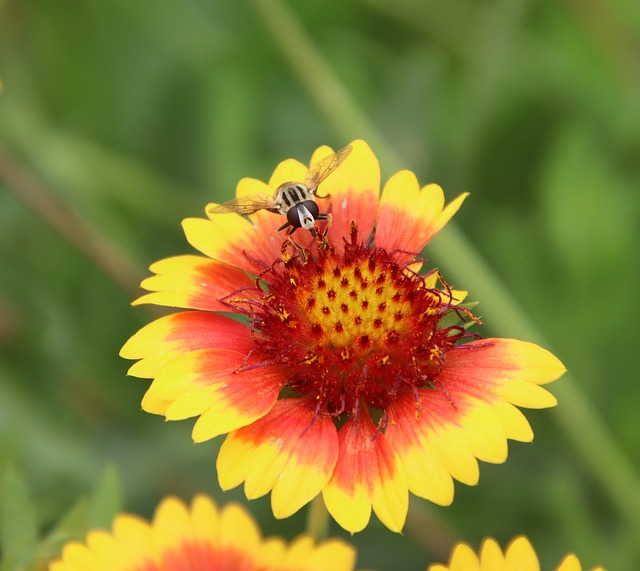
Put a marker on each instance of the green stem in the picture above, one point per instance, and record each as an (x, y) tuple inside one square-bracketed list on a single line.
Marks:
[(318, 519), (111, 259), (326, 90), (458, 257)]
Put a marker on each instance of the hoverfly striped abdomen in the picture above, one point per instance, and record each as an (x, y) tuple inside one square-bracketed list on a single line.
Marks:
[(290, 194)]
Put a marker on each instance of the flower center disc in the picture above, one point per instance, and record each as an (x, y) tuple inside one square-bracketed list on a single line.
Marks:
[(352, 327)]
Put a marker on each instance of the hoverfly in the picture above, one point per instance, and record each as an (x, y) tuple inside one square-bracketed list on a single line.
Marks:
[(292, 199)]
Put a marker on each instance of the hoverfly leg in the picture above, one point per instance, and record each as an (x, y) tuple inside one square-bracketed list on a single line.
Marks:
[(324, 243), (301, 250), (329, 218), (286, 257)]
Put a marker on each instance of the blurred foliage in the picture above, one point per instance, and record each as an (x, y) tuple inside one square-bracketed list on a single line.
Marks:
[(119, 118)]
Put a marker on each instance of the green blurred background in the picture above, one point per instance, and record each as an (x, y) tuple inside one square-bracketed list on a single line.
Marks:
[(119, 118)]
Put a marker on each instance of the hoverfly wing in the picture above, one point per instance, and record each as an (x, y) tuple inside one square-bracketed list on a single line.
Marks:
[(324, 167), (247, 204)]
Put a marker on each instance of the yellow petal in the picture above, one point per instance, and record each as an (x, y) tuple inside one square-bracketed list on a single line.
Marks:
[(205, 517), (464, 559), (570, 563), (491, 557), (528, 395), (484, 434), (352, 509), (521, 555), (514, 423), (409, 217), (238, 530)]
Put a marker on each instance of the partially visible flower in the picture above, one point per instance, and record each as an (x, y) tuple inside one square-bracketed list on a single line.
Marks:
[(200, 538), (349, 373), (518, 556)]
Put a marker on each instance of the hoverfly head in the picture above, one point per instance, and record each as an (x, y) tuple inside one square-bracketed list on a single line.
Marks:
[(303, 215)]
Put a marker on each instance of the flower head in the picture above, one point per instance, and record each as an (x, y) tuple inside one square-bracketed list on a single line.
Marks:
[(349, 372), (518, 556), (200, 538)]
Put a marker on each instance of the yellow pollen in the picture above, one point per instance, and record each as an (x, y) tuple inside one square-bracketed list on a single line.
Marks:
[(283, 314), (311, 359), (354, 304), (346, 354)]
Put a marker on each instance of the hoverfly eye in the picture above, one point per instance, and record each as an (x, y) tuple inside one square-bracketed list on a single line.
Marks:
[(312, 207), (294, 218)]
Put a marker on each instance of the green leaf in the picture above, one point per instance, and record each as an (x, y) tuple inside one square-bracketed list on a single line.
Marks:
[(96, 511), (18, 525), (106, 499), (453, 317), (73, 525)]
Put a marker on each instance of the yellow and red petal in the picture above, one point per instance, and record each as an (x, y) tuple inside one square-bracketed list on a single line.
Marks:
[(353, 190), (195, 282), (291, 451), (368, 474), (502, 369), (470, 414), (161, 341), (203, 537), (198, 538), (211, 383), (427, 475), (425, 427), (234, 240), (409, 217)]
